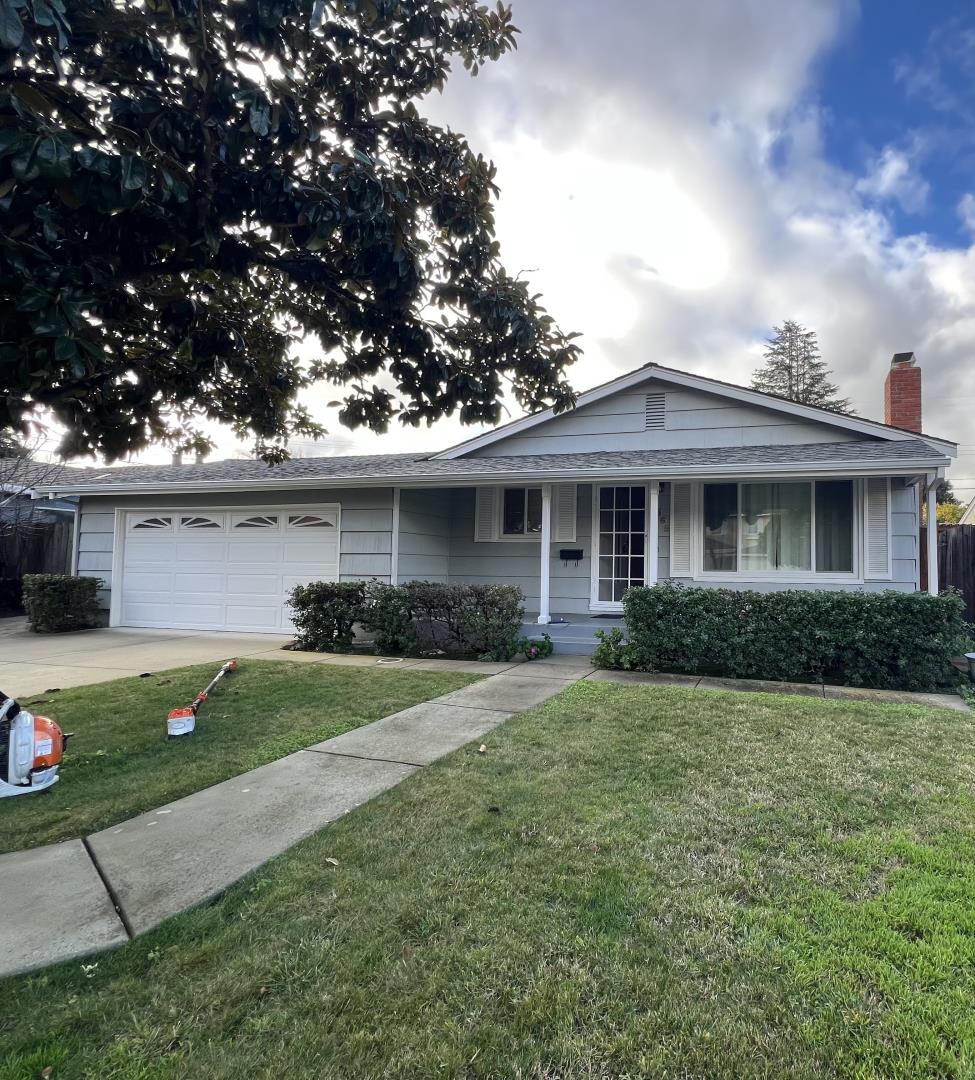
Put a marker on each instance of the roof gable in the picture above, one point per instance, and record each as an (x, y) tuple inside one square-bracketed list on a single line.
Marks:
[(836, 422)]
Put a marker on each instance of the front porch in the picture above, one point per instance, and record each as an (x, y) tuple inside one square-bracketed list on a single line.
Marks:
[(574, 549), (572, 635)]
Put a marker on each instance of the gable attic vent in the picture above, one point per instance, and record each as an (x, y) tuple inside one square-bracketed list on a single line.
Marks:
[(655, 411)]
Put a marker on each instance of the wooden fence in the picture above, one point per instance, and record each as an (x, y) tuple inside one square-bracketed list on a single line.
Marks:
[(956, 562), (37, 547)]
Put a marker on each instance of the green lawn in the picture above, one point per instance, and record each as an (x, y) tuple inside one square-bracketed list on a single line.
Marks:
[(629, 882), (120, 763)]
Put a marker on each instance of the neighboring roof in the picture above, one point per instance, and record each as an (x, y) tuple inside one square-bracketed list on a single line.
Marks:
[(23, 476), (968, 517), (699, 382), (904, 457)]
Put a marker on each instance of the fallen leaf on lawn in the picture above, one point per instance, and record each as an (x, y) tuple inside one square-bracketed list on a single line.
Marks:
[(482, 749), (332, 862), (407, 951), (46, 1073)]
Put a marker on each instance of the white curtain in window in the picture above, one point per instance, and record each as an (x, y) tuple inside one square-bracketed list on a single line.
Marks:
[(776, 527)]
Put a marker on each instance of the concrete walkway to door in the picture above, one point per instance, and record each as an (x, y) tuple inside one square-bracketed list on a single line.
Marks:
[(32, 663)]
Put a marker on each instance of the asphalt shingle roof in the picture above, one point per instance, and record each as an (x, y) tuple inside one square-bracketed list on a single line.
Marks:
[(404, 467)]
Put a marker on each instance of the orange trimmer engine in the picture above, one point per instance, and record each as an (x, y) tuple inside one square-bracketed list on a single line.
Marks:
[(183, 721), (31, 750)]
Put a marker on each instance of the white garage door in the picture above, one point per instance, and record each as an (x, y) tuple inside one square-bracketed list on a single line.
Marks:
[(199, 569)]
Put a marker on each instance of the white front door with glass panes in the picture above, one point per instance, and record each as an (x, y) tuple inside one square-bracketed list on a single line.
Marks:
[(620, 542)]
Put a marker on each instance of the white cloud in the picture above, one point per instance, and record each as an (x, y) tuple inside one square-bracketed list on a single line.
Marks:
[(966, 211), (893, 176)]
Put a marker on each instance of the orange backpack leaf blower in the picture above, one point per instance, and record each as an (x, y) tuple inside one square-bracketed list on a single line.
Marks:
[(31, 750)]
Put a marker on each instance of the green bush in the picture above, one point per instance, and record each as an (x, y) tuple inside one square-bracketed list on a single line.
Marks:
[(57, 603), (886, 640), (325, 613), (429, 617), (386, 615), (536, 648), (417, 618)]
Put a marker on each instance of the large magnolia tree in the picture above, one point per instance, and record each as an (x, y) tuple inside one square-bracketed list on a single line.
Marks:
[(188, 188)]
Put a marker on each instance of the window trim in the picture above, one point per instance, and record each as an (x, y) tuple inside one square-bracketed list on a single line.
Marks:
[(500, 535), (854, 577)]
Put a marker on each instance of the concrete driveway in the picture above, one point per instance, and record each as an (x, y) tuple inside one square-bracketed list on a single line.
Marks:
[(32, 663)]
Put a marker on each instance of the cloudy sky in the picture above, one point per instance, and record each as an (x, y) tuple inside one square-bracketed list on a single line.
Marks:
[(680, 177)]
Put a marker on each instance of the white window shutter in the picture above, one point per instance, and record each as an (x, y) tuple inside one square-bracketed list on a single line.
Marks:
[(486, 514), (680, 530), (564, 513), (877, 528)]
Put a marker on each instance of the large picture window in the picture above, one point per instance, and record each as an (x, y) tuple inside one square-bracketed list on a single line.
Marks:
[(768, 528)]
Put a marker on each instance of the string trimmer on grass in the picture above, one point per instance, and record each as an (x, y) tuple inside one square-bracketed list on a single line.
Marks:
[(31, 750), (183, 721)]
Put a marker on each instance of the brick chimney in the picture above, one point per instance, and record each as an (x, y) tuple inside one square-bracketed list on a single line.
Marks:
[(902, 393)]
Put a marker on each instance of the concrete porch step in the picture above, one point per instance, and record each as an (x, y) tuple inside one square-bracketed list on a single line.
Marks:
[(575, 636)]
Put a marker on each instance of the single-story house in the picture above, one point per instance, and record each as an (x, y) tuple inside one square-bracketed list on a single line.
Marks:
[(657, 475)]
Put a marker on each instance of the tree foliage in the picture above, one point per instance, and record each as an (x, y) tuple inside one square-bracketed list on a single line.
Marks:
[(188, 188), (793, 369), (949, 513), (946, 493)]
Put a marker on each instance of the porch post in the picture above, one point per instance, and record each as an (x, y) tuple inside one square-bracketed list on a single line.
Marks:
[(653, 532), (544, 615), (933, 536)]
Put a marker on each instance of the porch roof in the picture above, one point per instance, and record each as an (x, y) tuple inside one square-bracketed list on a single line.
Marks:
[(858, 457)]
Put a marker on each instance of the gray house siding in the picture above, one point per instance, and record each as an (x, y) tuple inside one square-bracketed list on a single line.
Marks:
[(424, 535), (692, 418), (365, 549), (517, 562)]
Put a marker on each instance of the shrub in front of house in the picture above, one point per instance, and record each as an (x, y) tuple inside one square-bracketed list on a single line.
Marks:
[(417, 618), (58, 603), (885, 640), (424, 617), (324, 614)]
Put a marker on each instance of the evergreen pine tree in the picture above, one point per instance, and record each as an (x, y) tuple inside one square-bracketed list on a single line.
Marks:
[(794, 369)]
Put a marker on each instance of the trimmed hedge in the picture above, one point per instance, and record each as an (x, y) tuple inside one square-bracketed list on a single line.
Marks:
[(325, 614), (886, 640), (417, 618), (58, 603)]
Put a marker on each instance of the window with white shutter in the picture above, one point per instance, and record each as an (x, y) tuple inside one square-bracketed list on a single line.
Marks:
[(877, 528), (680, 530)]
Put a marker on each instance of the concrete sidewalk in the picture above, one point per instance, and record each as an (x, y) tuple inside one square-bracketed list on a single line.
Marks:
[(82, 896)]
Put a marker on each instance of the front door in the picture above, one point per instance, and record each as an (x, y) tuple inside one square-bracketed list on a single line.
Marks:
[(619, 543)]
